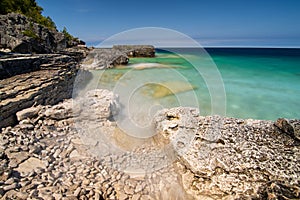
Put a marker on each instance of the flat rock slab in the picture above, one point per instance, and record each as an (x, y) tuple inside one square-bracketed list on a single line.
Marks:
[(30, 165)]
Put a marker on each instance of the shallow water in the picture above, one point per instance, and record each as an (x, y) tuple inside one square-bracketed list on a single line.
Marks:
[(259, 83)]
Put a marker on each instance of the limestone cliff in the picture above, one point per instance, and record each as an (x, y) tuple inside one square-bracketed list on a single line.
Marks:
[(20, 34)]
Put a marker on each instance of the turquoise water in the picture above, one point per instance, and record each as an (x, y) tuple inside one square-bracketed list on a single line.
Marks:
[(253, 83), (261, 86)]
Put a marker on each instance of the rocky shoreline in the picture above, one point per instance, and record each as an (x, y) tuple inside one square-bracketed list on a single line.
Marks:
[(56, 147), (46, 157)]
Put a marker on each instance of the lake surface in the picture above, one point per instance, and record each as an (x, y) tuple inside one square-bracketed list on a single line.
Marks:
[(259, 83)]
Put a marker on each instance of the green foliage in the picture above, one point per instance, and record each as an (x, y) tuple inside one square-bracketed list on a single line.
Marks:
[(30, 32), (29, 8), (68, 36), (70, 39)]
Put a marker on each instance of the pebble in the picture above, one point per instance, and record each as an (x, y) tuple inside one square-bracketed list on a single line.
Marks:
[(122, 196), (70, 175), (138, 188), (136, 197), (9, 181), (128, 189), (10, 187), (77, 192)]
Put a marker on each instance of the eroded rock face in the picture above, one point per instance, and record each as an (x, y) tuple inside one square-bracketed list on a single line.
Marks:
[(21, 64), (290, 127), (19, 34), (104, 58), (99, 105), (52, 83), (136, 50), (232, 158)]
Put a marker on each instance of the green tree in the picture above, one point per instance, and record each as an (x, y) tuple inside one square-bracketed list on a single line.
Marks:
[(68, 36), (28, 8)]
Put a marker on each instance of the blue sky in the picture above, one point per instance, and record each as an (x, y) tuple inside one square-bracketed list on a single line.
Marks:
[(211, 22)]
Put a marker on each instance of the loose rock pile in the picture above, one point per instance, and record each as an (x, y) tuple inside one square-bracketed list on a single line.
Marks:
[(47, 156), (44, 157)]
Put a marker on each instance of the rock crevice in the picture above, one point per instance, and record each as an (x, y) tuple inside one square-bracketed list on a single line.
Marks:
[(34, 80), (19, 34)]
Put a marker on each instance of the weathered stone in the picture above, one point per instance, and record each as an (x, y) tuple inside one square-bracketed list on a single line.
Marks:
[(230, 157), (62, 110), (37, 87), (14, 35), (136, 50), (99, 104), (104, 58), (122, 196), (136, 197), (16, 158), (288, 128), (77, 192), (10, 187), (30, 165)]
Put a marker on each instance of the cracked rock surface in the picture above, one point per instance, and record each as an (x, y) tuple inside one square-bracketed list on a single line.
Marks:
[(46, 155), (233, 158)]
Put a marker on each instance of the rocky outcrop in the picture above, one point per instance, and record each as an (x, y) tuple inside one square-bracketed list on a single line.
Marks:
[(228, 158), (215, 157), (118, 55), (104, 58), (19, 34), (290, 127), (45, 149), (21, 64), (41, 79), (136, 50)]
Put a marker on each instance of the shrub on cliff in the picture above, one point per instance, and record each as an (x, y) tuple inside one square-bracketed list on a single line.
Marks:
[(71, 41), (28, 8)]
